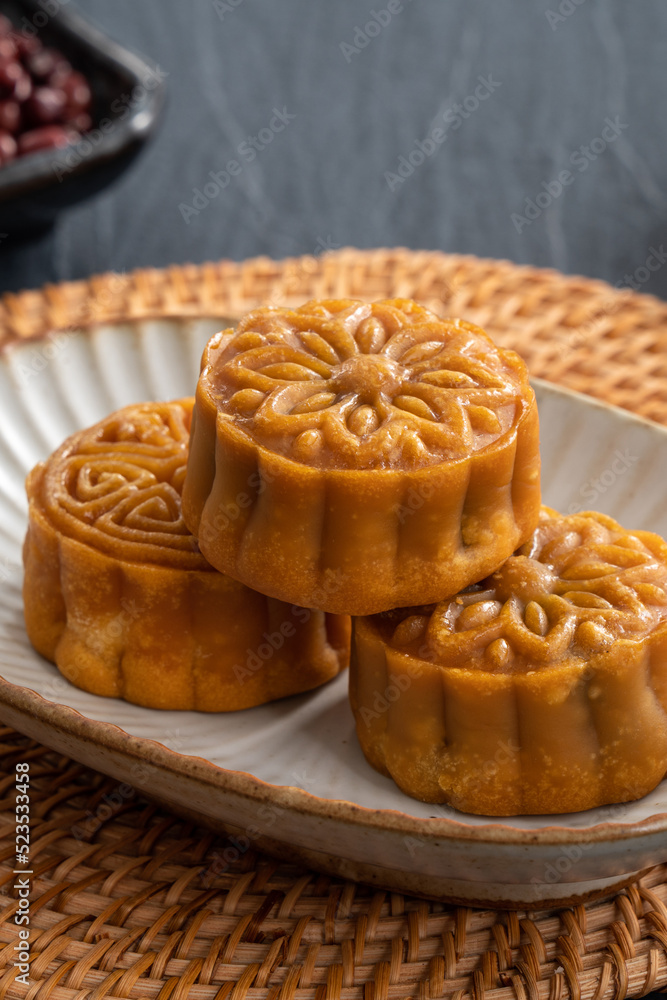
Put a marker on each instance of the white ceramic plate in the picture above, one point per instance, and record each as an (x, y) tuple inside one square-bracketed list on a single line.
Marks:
[(290, 777)]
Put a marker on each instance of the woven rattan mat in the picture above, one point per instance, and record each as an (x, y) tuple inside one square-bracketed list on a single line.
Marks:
[(130, 901)]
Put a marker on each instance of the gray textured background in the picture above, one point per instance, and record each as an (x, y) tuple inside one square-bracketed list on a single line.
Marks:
[(321, 181)]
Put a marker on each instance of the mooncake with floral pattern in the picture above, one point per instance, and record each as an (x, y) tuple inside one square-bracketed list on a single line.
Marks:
[(357, 456), (119, 596), (542, 689)]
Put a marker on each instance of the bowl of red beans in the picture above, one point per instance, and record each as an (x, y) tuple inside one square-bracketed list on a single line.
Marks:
[(75, 109)]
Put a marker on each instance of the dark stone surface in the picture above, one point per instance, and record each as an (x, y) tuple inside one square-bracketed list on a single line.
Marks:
[(321, 180)]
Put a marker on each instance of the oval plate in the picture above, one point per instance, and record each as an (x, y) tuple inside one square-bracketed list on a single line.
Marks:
[(289, 778)]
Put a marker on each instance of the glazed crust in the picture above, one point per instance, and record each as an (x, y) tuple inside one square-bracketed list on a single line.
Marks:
[(541, 690), (119, 597), (357, 457)]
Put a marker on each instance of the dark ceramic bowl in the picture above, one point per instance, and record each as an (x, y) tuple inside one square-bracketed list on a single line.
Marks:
[(128, 93)]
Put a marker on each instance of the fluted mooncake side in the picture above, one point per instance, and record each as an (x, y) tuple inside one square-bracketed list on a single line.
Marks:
[(356, 457), (119, 597), (543, 689)]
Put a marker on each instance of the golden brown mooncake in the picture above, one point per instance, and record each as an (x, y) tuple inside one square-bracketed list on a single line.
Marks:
[(357, 457), (542, 689), (119, 597)]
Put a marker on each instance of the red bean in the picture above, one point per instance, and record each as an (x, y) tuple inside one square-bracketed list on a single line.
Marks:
[(44, 103), (43, 64), (10, 116), (46, 106), (47, 137), (10, 72), (26, 44), (8, 50), (7, 148), (14, 81), (23, 88), (77, 91)]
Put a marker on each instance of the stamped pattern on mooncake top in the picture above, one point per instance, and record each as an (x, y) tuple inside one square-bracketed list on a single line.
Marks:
[(117, 486), (349, 384), (581, 583)]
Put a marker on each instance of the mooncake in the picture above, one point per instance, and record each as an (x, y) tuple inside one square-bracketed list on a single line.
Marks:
[(357, 457), (119, 597), (542, 689)]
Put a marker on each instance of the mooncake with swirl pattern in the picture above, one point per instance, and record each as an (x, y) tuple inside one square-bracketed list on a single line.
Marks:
[(359, 456), (542, 689), (119, 596)]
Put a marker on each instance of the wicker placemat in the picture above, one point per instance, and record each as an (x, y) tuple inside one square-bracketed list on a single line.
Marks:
[(128, 901), (585, 334)]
